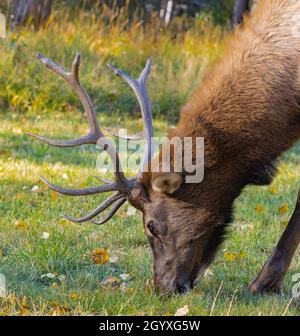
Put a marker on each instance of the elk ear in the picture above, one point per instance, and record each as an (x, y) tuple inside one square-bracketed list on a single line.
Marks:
[(167, 183)]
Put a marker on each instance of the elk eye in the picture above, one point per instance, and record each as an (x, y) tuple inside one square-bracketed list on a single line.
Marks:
[(151, 227)]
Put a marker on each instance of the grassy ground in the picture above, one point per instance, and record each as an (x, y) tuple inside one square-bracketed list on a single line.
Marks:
[(49, 264), (79, 285)]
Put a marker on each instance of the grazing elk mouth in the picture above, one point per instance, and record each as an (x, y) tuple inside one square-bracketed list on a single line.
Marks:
[(180, 285), (183, 288), (176, 287)]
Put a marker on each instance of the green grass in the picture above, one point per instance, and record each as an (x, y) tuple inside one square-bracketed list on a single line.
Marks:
[(31, 99), (67, 251)]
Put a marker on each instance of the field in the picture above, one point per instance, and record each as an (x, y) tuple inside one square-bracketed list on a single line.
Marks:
[(54, 267)]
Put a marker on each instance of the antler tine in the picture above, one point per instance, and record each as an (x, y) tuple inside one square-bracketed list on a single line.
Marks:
[(108, 202), (67, 143), (138, 136), (103, 180), (95, 134), (111, 213), (83, 191), (72, 78), (139, 88)]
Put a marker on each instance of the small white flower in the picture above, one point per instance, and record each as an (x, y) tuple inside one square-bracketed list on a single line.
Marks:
[(65, 176), (45, 235)]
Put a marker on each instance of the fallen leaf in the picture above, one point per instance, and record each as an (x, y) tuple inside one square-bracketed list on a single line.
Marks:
[(283, 209), (21, 225), (64, 221), (23, 306), (111, 280), (229, 256), (74, 296), (197, 291), (259, 208), (182, 311), (5, 154), (274, 190), (21, 196), (53, 195), (100, 256), (55, 285), (58, 309)]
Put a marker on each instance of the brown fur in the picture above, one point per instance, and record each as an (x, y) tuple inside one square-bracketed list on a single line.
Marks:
[(248, 111)]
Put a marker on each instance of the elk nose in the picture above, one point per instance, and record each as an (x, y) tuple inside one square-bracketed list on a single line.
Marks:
[(183, 288)]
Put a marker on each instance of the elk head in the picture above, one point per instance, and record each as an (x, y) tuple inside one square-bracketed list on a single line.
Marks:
[(183, 228)]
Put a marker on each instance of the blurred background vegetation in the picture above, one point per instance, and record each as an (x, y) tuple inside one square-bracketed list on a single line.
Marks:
[(182, 37), (165, 9)]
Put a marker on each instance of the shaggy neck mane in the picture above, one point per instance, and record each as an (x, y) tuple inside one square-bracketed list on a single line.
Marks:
[(247, 108), (246, 113)]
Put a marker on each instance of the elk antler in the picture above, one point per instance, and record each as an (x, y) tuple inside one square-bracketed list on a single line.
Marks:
[(139, 88), (122, 186)]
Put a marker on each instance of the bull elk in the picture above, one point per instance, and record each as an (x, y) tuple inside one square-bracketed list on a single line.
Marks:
[(248, 111)]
